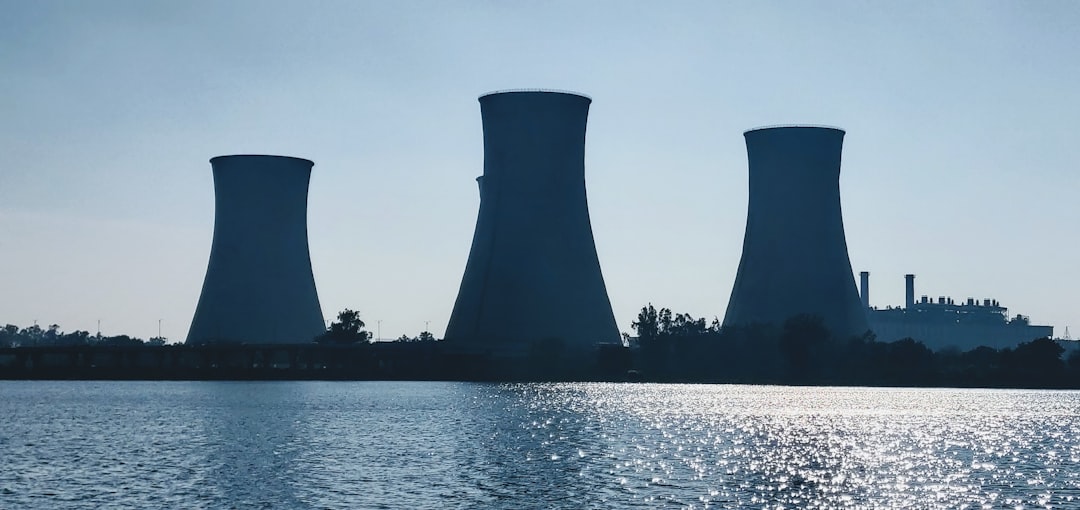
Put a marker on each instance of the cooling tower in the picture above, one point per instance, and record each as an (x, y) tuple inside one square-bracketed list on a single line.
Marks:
[(795, 258), (259, 287), (533, 274)]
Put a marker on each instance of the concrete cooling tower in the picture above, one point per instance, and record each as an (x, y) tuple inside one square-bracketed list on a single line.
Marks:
[(259, 287), (795, 258), (533, 273)]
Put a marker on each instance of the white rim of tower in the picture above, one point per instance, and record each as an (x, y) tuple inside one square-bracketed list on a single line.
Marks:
[(544, 91), (293, 158), (789, 126)]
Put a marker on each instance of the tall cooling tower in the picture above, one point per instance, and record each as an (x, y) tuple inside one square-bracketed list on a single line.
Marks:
[(795, 258), (259, 287), (533, 273)]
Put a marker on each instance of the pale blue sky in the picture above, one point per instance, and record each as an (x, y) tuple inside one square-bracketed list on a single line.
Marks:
[(960, 164)]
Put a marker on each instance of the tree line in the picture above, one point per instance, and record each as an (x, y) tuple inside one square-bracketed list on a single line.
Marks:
[(676, 347), (31, 336), (348, 329)]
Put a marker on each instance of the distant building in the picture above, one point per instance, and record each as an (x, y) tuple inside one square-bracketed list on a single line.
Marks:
[(944, 323), (794, 253), (259, 287), (533, 275)]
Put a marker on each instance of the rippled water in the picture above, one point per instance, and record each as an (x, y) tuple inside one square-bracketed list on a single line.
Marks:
[(449, 445)]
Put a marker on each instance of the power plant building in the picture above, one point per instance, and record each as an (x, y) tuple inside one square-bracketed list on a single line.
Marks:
[(259, 287), (533, 274), (794, 257), (946, 324)]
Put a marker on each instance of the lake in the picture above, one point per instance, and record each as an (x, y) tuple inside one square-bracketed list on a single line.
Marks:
[(567, 445)]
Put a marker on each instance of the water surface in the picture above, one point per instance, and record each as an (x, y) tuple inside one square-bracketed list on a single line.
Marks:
[(462, 445)]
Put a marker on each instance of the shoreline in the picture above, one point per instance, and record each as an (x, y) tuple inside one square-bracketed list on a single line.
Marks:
[(392, 361)]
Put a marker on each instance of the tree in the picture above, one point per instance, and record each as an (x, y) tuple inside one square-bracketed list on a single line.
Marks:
[(1034, 363), (685, 325), (52, 334), (75, 338), (32, 335), (424, 336), (348, 329), (9, 336), (1074, 360), (908, 362), (646, 325), (120, 341), (665, 321)]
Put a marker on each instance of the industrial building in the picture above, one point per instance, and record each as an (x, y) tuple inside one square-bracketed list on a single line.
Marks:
[(533, 274), (259, 288), (794, 255), (944, 323)]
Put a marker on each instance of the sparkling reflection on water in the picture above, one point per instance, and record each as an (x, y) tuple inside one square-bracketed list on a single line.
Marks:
[(449, 445)]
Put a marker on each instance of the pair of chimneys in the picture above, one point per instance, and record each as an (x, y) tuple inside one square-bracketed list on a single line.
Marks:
[(864, 289)]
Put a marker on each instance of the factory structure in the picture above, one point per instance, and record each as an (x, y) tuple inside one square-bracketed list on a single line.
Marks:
[(794, 254), (944, 323), (259, 288), (533, 257)]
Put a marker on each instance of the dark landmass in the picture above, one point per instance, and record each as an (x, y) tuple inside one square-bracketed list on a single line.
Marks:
[(1035, 364), (669, 348)]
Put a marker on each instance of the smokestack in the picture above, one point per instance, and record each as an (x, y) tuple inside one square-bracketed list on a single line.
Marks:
[(909, 290), (794, 258), (259, 287), (533, 256), (864, 288)]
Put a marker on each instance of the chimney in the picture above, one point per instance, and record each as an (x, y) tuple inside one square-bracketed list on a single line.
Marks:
[(864, 288), (909, 294)]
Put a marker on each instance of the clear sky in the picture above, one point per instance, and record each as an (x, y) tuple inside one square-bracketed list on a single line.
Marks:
[(961, 162)]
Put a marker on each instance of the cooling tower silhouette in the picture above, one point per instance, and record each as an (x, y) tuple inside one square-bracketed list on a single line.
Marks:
[(259, 287), (795, 259), (533, 273)]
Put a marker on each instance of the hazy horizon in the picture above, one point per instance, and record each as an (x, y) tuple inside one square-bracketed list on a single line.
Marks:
[(960, 162)]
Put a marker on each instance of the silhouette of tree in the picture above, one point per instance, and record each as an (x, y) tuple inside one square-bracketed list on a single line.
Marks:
[(664, 321), (120, 341), (347, 329), (9, 336), (51, 335), (31, 335), (75, 338), (1034, 363), (1073, 361), (647, 325), (424, 336), (908, 361)]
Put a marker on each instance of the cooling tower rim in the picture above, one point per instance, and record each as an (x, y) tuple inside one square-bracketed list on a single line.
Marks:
[(795, 126), (231, 156), (543, 91)]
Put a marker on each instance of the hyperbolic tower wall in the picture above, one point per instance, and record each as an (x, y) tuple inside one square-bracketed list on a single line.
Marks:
[(259, 287), (795, 258), (533, 273)]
